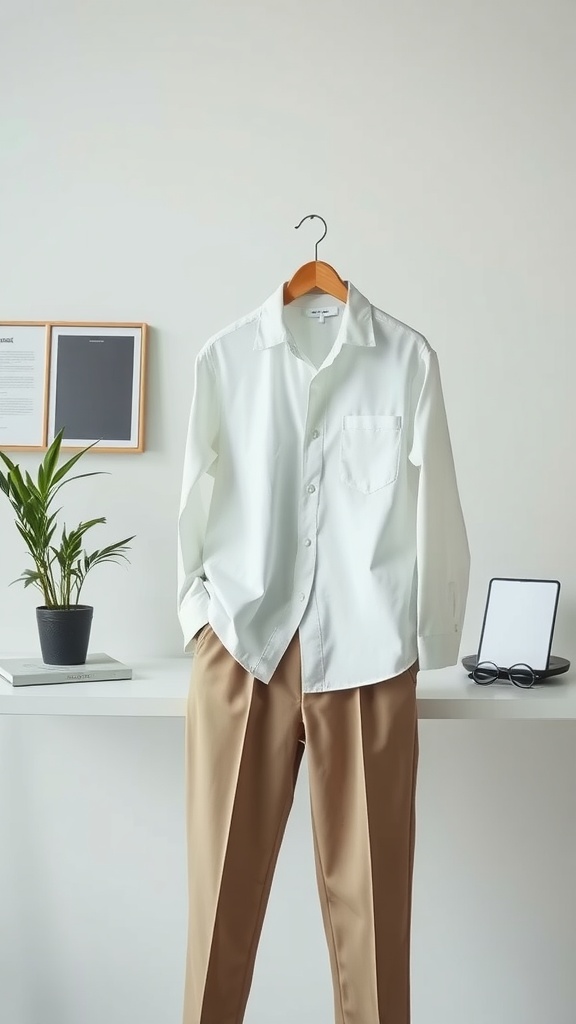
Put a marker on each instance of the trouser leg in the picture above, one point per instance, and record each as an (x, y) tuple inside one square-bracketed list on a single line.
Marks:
[(362, 747), (242, 759)]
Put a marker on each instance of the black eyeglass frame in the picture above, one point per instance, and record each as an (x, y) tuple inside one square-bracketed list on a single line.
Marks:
[(497, 672)]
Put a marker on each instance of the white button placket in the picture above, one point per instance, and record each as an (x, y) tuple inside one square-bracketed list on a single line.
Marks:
[(312, 464)]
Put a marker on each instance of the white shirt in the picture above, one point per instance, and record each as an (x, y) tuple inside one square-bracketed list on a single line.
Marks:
[(334, 507)]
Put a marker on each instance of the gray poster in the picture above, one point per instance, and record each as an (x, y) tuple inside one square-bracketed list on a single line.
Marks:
[(94, 376)]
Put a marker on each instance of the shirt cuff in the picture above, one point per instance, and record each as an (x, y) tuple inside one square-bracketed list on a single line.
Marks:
[(438, 651), (193, 613)]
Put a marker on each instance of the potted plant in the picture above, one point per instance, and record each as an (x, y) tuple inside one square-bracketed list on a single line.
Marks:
[(60, 567)]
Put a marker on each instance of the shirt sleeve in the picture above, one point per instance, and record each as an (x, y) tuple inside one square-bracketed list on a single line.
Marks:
[(200, 456), (443, 556)]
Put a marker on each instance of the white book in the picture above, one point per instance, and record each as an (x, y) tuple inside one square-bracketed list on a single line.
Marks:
[(32, 671)]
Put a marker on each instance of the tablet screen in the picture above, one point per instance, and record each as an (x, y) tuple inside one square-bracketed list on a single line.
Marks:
[(519, 622)]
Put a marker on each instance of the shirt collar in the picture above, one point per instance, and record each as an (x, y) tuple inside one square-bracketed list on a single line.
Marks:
[(356, 327)]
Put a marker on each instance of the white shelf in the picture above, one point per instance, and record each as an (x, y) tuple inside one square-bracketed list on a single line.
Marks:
[(159, 688)]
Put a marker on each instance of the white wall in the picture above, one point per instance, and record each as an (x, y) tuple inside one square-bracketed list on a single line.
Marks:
[(154, 158)]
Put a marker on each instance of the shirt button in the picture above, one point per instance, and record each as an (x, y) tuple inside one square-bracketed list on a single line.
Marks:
[(315, 434), (302, 596), (307, 542), (311, 488)]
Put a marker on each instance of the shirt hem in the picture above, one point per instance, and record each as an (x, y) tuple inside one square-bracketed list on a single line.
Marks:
[(333, 687)]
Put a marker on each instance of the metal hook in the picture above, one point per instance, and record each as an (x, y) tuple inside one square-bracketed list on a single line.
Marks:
[(310, 216)]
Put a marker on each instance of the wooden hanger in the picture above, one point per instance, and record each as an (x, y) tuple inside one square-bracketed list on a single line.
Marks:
[(315, 274)]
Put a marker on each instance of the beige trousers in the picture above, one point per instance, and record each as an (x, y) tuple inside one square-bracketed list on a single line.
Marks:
[(244, 745)]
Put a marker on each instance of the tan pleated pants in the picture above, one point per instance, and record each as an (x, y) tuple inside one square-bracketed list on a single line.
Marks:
[(244, 745)]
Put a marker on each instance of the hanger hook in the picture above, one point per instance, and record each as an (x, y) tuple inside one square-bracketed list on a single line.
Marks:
[(310, 216)]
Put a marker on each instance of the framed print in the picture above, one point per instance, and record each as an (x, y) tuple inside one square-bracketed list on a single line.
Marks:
[(97, 385), (24, 357)]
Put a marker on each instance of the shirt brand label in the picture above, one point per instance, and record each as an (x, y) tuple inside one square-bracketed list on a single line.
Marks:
[(321, 312)]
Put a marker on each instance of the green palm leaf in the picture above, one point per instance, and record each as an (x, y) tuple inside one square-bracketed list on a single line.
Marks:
[(60, 567)]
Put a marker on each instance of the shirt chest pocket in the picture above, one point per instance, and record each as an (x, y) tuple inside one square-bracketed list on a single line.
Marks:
[(370, 451)]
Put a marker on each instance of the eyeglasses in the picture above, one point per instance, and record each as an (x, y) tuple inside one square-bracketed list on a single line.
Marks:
[(486, 672)]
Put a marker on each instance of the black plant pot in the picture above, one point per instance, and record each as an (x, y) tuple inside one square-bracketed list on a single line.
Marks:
[(64, 633)]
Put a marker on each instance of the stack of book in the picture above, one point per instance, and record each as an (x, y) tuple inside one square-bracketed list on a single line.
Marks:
[(32, 671)]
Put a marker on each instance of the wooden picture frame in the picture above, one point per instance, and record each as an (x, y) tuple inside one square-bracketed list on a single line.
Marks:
[(98, 385), (91, 374), (24, 382)]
